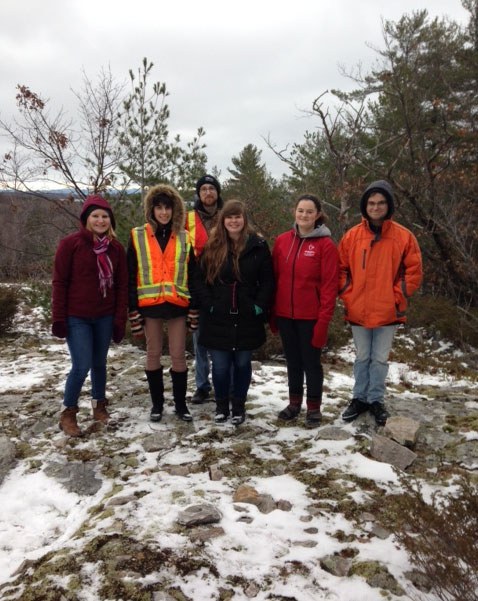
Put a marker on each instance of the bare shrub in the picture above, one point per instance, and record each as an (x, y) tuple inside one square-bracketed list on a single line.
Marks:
[(440, 317), (8, 308), (440, 536)]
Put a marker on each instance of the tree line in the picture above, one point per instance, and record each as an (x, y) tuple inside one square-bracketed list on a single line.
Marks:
[(410, 119)]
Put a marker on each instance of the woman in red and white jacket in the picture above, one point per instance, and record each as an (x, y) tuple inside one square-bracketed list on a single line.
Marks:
[(306, 272)]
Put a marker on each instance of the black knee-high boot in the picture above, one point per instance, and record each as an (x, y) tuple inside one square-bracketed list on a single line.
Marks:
[(156, 390), (180, 385)]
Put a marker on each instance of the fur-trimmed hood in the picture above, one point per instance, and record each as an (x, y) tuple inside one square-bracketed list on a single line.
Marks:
[(179, 210)]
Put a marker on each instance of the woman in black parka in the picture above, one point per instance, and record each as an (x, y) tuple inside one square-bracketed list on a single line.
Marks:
[(235, 284)]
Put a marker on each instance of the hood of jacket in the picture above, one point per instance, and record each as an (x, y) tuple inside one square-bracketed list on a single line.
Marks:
[(179, 210), (383, 187), (321, 231)]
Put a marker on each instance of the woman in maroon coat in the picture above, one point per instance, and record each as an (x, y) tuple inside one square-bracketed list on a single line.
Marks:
[(89, 305), (306, 273)]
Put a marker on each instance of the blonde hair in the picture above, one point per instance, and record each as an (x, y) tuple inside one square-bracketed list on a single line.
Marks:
[(219, 244)]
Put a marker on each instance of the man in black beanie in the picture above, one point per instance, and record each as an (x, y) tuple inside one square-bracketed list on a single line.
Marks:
[(199, 222)]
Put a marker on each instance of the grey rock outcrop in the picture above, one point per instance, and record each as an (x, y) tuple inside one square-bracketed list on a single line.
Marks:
[(403, 430), (389, 451), (77, 477), (194, 515)]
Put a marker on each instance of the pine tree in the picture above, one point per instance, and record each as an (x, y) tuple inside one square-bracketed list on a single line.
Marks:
[(150, 154)]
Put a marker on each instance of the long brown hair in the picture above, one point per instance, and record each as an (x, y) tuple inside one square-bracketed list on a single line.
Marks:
[(219, 244)]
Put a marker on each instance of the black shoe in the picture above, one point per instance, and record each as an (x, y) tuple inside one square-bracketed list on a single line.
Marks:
[(237, 420), (182, 412), (381, 415), (185, 416), (355, 408), (155, 415), (313, 419), (200, 396), (290, 412), (220, 418)]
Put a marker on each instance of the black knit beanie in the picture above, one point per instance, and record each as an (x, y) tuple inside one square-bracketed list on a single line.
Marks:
[(208, 179)]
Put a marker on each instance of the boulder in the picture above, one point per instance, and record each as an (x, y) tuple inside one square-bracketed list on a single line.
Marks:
[(402, 430), (194, 515), (386, 450)]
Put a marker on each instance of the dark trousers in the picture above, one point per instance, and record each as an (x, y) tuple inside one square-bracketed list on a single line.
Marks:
[(302, 358)]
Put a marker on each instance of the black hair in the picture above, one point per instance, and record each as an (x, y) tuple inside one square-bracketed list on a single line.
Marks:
[(162, 199)]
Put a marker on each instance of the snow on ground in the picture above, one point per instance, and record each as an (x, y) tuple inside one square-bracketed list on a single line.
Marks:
[(38, 515)]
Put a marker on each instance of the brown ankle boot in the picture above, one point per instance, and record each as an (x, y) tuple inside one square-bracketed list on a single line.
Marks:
[(68, 422), (99, 411)]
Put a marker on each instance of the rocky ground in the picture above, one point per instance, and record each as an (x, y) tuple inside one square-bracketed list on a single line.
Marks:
[(178, 511)]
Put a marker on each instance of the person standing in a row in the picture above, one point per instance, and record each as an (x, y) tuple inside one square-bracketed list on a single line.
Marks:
[(380, 268), (161, 263), (200, 221), (234, 288), (89, 300), (306, 273)]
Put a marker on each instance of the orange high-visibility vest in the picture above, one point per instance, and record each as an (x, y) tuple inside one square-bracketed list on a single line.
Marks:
[(162, 276), (197, 232)]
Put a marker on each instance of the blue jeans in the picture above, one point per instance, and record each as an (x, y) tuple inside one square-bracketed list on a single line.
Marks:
[(88, 342), (201, 364), (371, 362), (222, 364)]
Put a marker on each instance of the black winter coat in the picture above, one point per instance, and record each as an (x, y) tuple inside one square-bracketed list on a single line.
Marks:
[(228, 319)]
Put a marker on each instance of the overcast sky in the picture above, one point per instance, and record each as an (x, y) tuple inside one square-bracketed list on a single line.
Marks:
[(243, 70)]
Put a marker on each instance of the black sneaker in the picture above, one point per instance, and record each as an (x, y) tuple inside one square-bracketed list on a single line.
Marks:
[(220, 418), (237, 420), (355, 408), (381, 415), (155, 416), (200, 396)]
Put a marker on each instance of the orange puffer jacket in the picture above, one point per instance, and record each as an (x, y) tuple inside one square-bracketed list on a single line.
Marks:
[(378, 273)]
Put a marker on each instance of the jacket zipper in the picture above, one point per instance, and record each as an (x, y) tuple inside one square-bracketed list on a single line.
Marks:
[(233, 310), (293, 277)]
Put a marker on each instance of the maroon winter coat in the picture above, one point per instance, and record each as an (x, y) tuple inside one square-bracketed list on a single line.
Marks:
[(306, 273), (76, 290)]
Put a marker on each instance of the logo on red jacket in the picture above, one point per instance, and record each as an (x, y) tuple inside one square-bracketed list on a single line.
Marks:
[(310, 251)]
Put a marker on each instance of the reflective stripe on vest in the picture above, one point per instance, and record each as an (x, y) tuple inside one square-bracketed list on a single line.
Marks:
[(153, 265), (197, 231)]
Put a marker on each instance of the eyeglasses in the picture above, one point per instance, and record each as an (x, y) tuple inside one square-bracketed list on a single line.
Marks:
[(207, 189), (380, 203)]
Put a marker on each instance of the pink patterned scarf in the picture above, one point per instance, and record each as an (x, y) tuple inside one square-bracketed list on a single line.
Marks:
[(105, 267)]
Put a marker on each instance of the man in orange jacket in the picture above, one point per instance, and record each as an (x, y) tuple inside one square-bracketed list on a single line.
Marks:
[(380, 268)]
